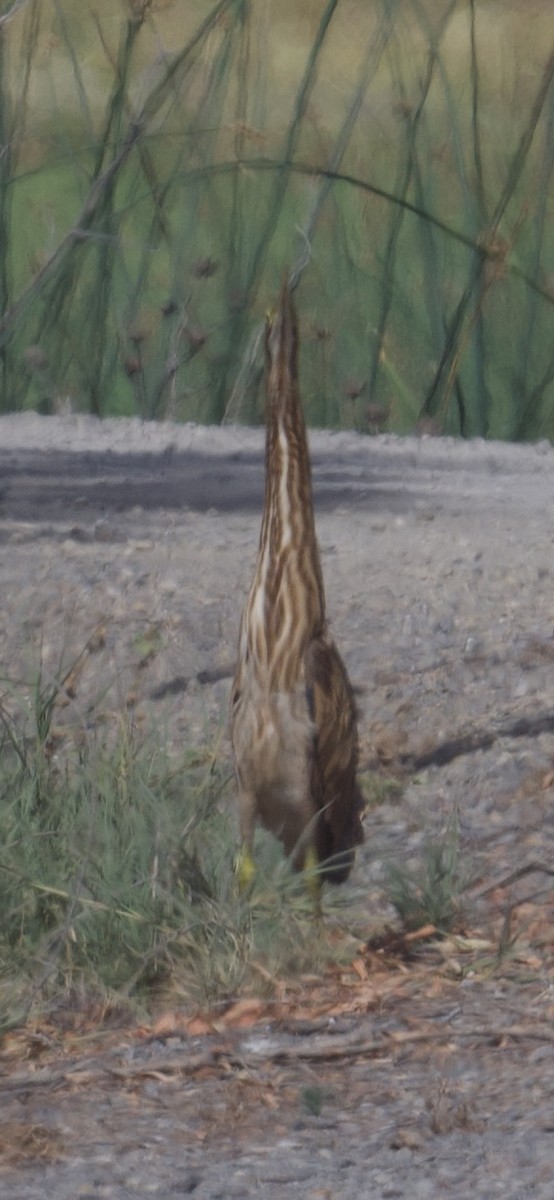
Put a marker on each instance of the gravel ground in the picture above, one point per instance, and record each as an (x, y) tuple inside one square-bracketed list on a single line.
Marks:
[(138, 541)]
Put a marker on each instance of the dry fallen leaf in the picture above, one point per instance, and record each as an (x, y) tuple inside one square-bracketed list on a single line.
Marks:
[(244, 1013), (197, 1026), (25, 1143), (168, 1023)]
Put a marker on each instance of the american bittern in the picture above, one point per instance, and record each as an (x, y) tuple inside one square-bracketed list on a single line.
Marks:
[(293, 717)]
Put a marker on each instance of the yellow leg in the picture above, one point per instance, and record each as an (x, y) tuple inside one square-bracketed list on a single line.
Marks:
[(246, 868)]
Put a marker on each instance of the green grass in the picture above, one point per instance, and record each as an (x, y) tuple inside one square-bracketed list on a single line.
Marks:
[(150, 201), (431, 894), (117, 875)]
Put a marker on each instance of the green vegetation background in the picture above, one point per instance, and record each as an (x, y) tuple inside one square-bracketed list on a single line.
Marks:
[(163, 163)]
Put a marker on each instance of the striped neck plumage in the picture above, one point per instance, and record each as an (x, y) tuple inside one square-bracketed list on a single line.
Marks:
[(288, 522)]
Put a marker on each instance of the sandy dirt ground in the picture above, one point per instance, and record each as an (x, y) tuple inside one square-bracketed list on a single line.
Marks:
[(138, 541)]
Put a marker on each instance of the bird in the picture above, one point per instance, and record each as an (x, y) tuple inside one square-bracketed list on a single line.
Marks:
[(293, 718)]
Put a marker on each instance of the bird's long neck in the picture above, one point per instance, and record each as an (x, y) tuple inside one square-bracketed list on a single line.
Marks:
[(286, 604), (288, 528)]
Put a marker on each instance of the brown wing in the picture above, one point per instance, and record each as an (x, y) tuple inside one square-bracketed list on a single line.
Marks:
[(334, 788)]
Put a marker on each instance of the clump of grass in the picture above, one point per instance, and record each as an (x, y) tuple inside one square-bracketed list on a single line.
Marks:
[(117, 876), (431, 894)]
